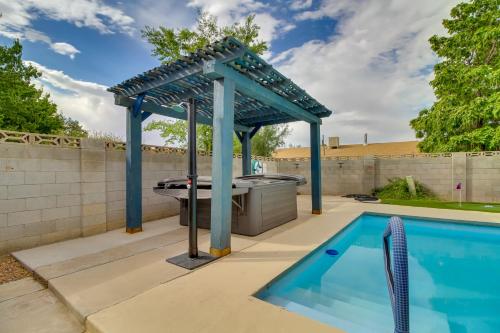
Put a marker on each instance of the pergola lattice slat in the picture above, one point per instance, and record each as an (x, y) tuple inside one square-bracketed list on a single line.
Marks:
[(166, 85)]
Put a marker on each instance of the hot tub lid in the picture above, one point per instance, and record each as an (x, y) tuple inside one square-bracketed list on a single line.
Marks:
[(298, 179), (177, 187)]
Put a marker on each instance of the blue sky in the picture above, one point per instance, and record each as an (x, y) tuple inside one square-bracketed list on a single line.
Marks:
[(367, 60)]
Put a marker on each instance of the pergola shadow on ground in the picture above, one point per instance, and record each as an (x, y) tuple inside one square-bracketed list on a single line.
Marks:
[(234, 90)]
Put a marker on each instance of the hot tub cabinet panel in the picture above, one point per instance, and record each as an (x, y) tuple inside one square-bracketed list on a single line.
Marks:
[(260, 202), (264, 207)]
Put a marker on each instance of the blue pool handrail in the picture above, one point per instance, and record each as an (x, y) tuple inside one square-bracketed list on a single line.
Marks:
[(397, 275)]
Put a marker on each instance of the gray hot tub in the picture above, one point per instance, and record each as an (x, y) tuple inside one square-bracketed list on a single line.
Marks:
[(260, 202)]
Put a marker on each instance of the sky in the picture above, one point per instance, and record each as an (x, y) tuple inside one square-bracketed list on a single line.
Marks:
[(367, 60)]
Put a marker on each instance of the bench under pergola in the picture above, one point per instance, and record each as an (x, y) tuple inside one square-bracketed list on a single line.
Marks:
[(234, 90)]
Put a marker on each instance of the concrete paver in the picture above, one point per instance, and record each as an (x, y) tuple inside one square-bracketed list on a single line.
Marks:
[(88, 291), (73, 265), (19, 288), (73, 248), (37, 312)]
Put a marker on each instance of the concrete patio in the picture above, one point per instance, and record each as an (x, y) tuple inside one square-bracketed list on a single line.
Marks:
[(117, 282)]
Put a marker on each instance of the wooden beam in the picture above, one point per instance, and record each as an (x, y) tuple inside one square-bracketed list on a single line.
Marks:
[(255, 130), (173, 112), (222, 168), (145, 115), (246, 154), (181, 74), (193, 69), (238, 135), (315, 168), (216, 69), (133, 170)]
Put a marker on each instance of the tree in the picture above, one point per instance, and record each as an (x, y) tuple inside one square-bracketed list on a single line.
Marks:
[(72, 127), (169, 45), (24, 107), (466, 114), (267, 139), (174, 132)]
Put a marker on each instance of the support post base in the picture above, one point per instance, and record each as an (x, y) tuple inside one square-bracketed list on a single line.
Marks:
[(184, 261), (219, 252), (316, 211), (133, 230)]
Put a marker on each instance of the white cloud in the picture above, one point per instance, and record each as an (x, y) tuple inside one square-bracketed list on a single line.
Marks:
[(270, 27), (231, 11), (18, 17), (227, 11), (65, 49), (170, 13), (300, 4), (87, 102), (370, 71)]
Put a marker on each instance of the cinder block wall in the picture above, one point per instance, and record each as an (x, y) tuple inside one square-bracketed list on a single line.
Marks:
[(434, 172), (479, 174), (40, 195), (483, 178), (54, 188), (338, 177)]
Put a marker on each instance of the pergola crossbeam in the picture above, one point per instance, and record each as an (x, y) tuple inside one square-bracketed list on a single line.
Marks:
[(173, 112), (246, 149), (195, 68), (216, 69)]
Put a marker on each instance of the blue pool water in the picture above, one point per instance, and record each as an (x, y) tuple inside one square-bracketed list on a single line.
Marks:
[(454, 279)]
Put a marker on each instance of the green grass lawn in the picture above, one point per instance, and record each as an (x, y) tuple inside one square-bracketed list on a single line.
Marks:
[(477, 206)]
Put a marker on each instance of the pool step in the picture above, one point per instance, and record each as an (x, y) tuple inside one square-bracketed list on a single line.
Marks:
[(314, 314), (355, 314)]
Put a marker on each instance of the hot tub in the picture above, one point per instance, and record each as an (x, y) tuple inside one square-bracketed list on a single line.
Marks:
[(260, 202)]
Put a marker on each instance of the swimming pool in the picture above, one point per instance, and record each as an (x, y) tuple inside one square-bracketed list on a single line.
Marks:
[(454, 273)]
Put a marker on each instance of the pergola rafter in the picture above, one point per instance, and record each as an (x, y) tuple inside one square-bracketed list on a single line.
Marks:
[(233, 90)]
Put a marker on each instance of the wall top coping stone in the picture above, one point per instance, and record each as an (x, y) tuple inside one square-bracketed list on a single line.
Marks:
[(409, 156), (39, 139), (74, 142)]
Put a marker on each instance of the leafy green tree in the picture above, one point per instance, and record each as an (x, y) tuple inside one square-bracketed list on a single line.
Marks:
[(24, 107), (169, 45), (466, 114), (267, 139), (73, 128)]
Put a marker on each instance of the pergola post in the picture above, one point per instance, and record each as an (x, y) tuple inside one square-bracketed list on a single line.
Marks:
[(315, 168), (222, 167), (133, 174), (246, 152)]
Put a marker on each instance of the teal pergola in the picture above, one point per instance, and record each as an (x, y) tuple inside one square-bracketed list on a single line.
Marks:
[(234, 90)]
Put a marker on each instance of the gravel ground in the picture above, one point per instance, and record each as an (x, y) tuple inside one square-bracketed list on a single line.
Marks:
[(11, 269)]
